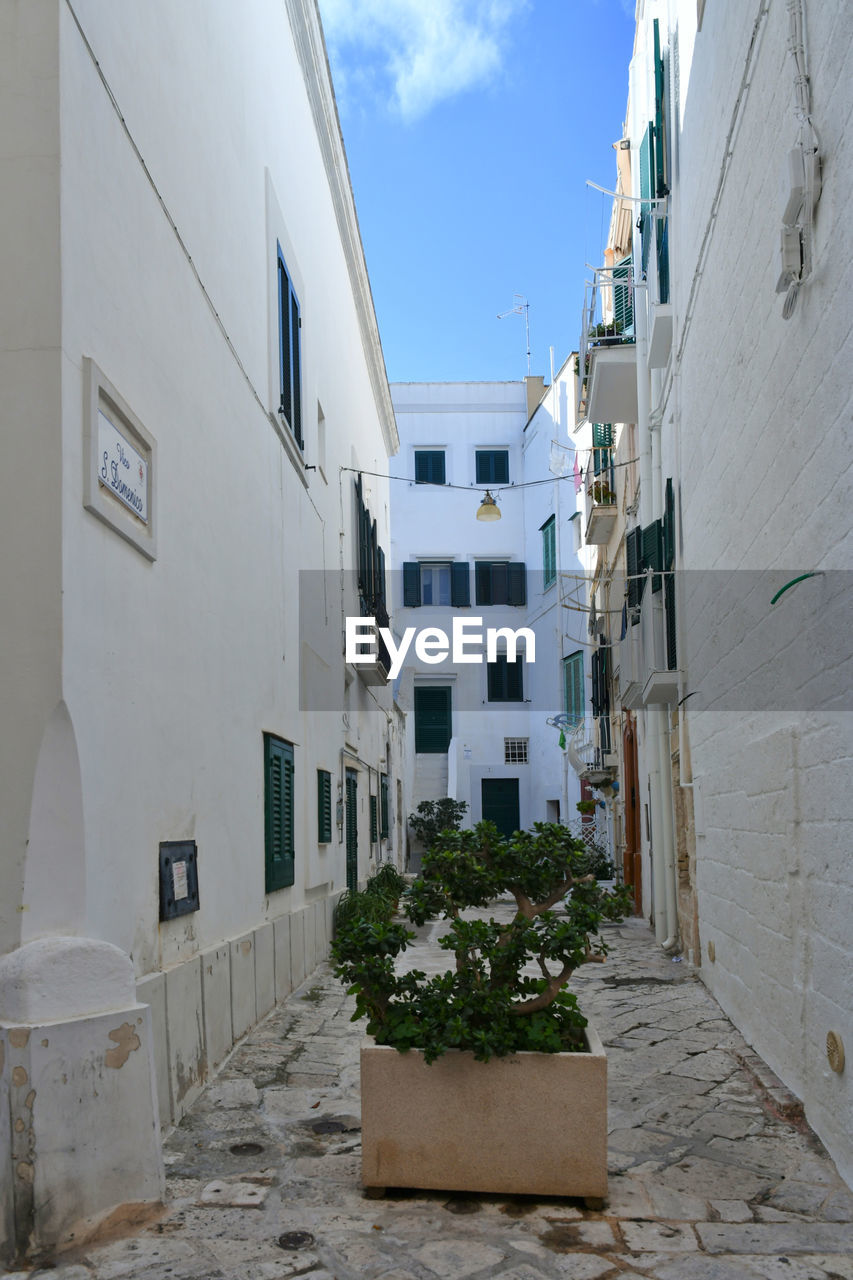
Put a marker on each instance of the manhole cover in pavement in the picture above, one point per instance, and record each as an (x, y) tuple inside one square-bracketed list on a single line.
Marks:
[(246, 1149), (296, 1240), (328, 1126)]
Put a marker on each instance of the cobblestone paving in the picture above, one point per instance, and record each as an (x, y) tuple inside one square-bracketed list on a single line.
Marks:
[(713, 1173)]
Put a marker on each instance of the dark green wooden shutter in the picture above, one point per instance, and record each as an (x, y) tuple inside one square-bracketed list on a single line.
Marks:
[(384, 825), (661, 171), (433, 720), (505, 680), (460, 584), (549, 552), (374, 820), (411, 585), (623, 296), (429, 466), (663, 259), (483, 582), (669, 526), (324, 806), (600, 682), (653, 551), (296, 341), (278, 803), (669, 607), (573, 698), (634, 568), (602, 435), (492, 466), (351, 783), (516, 583)]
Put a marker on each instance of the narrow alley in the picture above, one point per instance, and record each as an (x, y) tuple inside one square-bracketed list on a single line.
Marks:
[(713, 1173)]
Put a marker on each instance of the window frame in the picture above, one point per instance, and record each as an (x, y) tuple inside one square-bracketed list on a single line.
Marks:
[(289, 314), (419, 690), (577, 712), (513, 589), (486, 469), (324, 806), (505, 679), (279, 856), (549, 552), (427, 466)]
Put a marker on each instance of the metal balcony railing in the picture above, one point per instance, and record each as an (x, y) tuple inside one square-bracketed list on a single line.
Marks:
[(590, 748), (608, 317)]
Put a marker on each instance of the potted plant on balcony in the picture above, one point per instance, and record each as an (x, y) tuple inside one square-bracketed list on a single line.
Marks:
[(486, 1077), (601, 492)]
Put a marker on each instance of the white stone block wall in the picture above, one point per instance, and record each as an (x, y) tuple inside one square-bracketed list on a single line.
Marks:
[(757, 428)]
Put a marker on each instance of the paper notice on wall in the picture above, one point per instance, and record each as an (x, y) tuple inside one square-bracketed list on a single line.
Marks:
[(179, 881)]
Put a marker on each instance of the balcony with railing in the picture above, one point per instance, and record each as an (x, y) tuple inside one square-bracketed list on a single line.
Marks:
[(590, 750), (599, 488), (607, 382)]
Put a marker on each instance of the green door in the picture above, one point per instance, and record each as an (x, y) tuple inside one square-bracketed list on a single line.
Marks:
[(500, 804), (352, 829)]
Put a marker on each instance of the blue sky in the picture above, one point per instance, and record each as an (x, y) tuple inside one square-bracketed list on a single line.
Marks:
[(471, 127)]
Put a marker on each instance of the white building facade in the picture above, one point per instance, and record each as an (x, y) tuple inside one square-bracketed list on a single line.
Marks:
[(192, 382), (478, 731), (735, 372)]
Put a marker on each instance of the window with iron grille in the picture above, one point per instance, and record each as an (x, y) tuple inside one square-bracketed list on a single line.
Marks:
[(515, 750)]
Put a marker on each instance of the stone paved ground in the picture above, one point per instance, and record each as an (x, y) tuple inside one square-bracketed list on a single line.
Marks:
[(713, 1173)]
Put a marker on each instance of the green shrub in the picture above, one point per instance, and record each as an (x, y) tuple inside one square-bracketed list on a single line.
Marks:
[(436, 816), (485, 1003)]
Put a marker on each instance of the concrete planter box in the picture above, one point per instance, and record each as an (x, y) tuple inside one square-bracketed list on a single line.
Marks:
[(530, 1124)]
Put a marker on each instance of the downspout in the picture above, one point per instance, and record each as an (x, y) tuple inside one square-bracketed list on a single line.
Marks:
[(558, 565)]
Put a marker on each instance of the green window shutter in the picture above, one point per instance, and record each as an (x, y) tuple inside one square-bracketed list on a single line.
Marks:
[(460, 584), (669, 526), (600, 683), (505, 680), (653, 551), (669, 608), (483, 582), (602, 435), (324, 806), (290, 352), (296, 343), (492, 466), (623, 296), (549, 552), (411, 585), (634, 568), (663, 259), (661, 167), (516, 583), (374, 820), (429, 466), (278, 804), (573, 698), (433, 720), (384, 825)]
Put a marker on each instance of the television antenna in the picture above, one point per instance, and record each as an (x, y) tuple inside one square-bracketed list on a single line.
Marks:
[(520, 307)]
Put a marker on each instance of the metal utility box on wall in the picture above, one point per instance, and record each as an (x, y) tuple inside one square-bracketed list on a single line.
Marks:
[(178, 878)]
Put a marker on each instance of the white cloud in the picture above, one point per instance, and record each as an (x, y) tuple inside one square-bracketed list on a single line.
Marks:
[(426, 50)]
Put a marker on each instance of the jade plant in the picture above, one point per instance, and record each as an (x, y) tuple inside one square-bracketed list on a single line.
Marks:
[(488, 1001)]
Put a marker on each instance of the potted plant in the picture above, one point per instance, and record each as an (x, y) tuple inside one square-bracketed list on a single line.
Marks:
[(586, 806), (601, 492), (486, 1077)]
